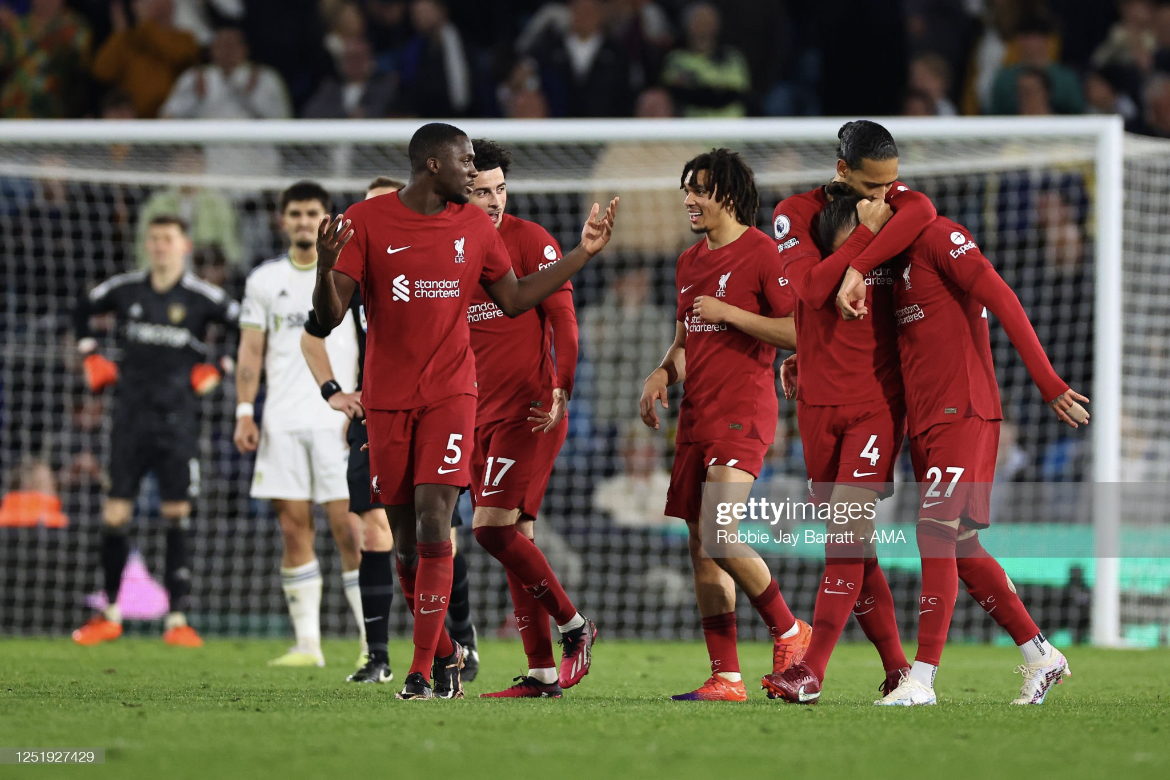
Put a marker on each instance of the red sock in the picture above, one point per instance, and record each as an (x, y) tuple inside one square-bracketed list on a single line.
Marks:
[(875, 613), (719, 632), (940, 588), (774, 610), (989, 584), (835, 599), (532, 620), (524, 559), (432, 595)]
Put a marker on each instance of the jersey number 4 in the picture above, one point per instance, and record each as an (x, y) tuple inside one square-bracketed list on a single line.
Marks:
[(872, 452)]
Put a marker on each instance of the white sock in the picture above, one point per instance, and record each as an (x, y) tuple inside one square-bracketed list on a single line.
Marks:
[(574, 622), (302, 590), (792, 631), (923, 673), (1036, 649), (174, 620), (730, 676), (546, 676), (353, 594), (113, 613)]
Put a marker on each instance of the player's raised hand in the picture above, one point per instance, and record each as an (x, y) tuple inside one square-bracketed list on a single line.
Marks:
[(349, 403), (548, 419), (653, 391), (851, 296), (789, 377), (710, 309), (332, 236), (247, 435), (874, 214), (596, 233), (1068, 411)]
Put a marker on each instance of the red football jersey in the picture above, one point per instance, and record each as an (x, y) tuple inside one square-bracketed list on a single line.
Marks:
[(942, 284), (847, 362), (418, 275), (513, 358), (729, 390)]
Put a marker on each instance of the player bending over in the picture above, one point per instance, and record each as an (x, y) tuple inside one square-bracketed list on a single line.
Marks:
[(163, 314), (375, 577), (729, 409), (302, 451), (519, 429), (942, 285), (418, 255), (850, 408)]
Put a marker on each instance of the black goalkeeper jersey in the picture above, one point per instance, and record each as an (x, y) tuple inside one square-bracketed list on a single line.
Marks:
[(161, 336), (314, 328)]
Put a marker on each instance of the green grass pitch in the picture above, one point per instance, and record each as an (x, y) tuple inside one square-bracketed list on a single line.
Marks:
[(163, 712)]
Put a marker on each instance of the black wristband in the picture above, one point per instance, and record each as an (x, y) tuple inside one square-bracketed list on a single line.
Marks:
[(330, 389)]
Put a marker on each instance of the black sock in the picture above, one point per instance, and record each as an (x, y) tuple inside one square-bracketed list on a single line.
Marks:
[(115, 550), (459, 610), (177, 576), (376, 580)]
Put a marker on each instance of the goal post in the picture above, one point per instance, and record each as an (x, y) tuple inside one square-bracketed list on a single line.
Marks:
[(1034, 192)]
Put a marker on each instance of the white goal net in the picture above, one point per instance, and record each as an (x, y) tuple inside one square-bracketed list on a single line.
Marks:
[(1073, 217)]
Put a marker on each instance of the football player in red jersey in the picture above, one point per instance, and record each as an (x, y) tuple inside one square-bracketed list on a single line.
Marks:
[(519, 429), (729, 409), (418, 255), (849, 405), (943, 289)]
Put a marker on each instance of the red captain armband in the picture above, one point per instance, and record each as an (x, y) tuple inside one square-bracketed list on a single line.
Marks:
[(204, 378), (100, 372)]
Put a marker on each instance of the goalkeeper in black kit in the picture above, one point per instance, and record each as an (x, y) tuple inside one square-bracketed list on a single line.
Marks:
[(163, 315)]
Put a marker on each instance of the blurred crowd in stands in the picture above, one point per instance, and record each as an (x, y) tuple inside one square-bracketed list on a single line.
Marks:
[(249, 59)]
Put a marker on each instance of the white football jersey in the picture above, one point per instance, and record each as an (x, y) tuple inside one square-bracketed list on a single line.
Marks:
[(277, 299)]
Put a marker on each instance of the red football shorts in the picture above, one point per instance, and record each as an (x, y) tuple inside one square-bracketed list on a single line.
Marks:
[(855, 444), (954, 466), (430, 445), (511, 465), (684, 497)]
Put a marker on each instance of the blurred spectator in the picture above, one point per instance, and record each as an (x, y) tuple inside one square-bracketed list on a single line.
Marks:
[(991, 50), (636, 495), (44, 55), (360, 93), (584, 72), (346, 23), (707, 78), (230, 87), (436, 81), (1131, 40), (654, 103), (520, 96), (945, 28), (200, 17), (146, 59), (1033, 41), (919, 103), (287, 35), (35, 501), (644, 30), (210, 216), (387, 24), (1033, 92), (1162, 37), (931, 75), (1156, 118), (1105, 93)]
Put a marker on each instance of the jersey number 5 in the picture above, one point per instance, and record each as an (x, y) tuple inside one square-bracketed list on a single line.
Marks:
[(453, 447)]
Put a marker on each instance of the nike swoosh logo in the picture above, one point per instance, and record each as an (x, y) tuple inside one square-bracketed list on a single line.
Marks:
[(428, 611), (924, 611), (689, 286), (373, 619), (392, 251), (929, 504), (490, 492), (448, 471), (838, 592), (871, 609), (864, 474), (521, 628)]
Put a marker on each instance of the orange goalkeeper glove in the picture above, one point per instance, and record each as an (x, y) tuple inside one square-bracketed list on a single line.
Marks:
[(100, 372), (204, 378)]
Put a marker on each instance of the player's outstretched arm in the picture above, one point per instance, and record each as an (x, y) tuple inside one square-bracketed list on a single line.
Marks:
[(776, 331), (516, 296), (991, 291), (333, 289), (671, 371), (248, 363)]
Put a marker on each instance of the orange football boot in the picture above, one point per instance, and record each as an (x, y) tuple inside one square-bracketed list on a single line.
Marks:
[(715, 689), (789, 652), (182, 636), (97, 630)]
